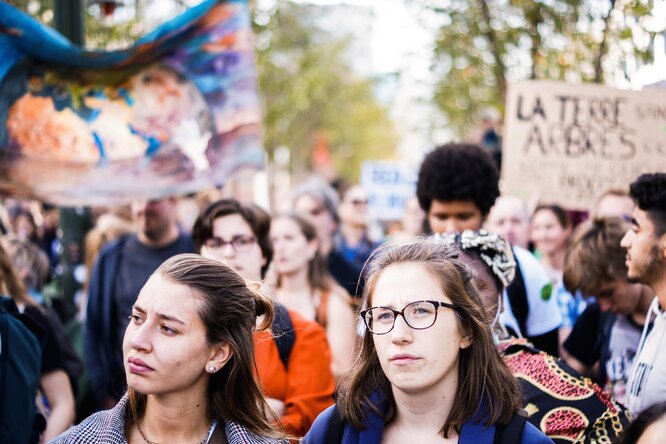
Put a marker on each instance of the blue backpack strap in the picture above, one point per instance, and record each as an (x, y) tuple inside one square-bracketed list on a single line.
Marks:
[(518, 299), (283, 333), (336, 427), (511, 433)]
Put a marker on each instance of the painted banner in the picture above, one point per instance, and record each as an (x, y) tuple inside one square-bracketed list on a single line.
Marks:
[(389, 185), (175, 113), (568, 143)]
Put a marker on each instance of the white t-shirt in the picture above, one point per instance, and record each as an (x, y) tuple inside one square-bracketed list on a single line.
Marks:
[(647, 383), (544, 314)]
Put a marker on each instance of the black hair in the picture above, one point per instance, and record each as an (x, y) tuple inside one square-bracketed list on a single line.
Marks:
[(458, 171), (649, 193), (646, 418)]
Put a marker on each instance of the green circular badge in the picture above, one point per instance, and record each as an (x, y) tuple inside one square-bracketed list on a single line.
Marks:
[(547, 291)]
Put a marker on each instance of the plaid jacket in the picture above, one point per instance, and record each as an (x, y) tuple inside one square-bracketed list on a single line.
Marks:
[(108, 427)]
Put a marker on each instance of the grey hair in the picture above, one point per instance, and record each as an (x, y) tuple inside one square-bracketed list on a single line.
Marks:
[(320, 190)]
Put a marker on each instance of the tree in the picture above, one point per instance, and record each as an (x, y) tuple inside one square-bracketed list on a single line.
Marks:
[(486, 43), (311, 96)]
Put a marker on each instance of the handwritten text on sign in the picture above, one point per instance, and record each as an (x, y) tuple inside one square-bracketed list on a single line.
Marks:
[(569, 142)]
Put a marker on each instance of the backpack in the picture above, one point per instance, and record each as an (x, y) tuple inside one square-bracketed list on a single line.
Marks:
[(20, 368), (283, 333), (511, 433)]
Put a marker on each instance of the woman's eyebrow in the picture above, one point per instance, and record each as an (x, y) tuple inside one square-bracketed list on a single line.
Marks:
[(169, 318), (159, 315)]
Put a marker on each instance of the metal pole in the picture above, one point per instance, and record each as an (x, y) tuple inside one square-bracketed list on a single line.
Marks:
[(69, 19)]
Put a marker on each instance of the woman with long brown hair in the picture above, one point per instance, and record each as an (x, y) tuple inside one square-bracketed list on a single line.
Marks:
[(305, 285), (189, 360), (427, 369)]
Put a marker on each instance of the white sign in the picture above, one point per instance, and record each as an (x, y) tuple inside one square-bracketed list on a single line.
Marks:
[(389, 184), (569, 143)]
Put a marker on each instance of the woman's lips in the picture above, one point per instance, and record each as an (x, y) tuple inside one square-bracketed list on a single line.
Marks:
[(136, 365), (403, 359)]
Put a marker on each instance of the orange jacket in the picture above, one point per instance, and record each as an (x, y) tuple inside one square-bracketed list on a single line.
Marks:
[(306, 387)]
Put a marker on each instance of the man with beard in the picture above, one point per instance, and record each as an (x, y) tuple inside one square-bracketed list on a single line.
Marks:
[(121, 270), (645, 243)]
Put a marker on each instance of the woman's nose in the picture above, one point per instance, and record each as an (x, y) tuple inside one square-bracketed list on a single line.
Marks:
[(401, 331), (228, 250), (140, 337)]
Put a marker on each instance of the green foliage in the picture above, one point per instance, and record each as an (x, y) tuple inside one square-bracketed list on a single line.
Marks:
[(486, 43), (42, 10), (308, 92)]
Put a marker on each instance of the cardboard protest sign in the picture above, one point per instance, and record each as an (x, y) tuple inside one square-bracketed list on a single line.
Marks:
[(569, 143), (176, 112), (389, 185)]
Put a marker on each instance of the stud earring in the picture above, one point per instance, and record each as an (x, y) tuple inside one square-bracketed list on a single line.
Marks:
[(211, 369)]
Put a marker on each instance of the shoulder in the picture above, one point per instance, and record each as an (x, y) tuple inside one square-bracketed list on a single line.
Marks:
[(37, 314), (544, 311), (108, 425), (529, 265), (591, 319), (185, 241), (309, 334), (317, 433), (532, 435), (237, 434), (303, 325), (338, 296), (115, 246)]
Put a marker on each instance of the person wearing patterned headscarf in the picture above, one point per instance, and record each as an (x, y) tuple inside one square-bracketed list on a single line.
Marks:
[(559, 401)]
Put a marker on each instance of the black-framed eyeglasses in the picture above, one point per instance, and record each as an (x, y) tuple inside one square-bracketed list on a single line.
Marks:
[(418, 315), (240, 244)]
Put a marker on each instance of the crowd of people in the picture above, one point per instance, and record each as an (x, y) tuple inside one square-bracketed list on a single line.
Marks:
[(479, 320)]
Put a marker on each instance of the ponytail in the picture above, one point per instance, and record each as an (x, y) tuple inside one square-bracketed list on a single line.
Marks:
[(263, 306)]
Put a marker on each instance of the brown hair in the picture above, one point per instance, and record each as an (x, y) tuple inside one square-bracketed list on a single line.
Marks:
[(482, 373), (318, 275), (29, 258), (258, 220), (617, 192), (10, 283), (559, 213), (229, 310), (594, 257)]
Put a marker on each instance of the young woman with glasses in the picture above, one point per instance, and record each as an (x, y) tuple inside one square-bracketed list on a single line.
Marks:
[(427, 369), (293, 368), (305, 286)]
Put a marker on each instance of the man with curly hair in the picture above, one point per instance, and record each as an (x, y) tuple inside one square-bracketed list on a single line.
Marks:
[(645, 243), (457, 185)]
